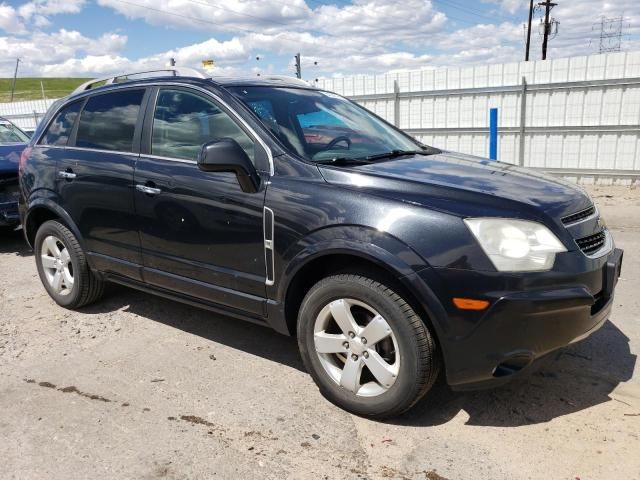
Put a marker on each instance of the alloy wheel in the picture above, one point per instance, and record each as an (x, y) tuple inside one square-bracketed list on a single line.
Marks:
[(57, 265), (357, 347)]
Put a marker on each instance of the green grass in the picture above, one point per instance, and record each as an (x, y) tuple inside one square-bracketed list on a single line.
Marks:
[(29, 88)]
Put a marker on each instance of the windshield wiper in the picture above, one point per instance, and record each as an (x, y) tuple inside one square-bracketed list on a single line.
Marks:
[(378, 156), (397, 153), (344, 161)]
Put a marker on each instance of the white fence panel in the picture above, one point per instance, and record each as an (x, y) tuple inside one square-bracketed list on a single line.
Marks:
[(26, 115), (581, 113)]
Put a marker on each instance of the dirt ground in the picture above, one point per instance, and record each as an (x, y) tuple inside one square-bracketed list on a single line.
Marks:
[(141, 387)]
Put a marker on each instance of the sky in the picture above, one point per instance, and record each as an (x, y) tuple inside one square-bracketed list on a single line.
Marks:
[(89, 38)]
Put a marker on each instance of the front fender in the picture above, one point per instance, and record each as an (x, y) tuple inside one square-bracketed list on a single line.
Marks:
[(370, 244)]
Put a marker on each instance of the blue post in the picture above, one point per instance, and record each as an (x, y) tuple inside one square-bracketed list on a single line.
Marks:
[(493, 134)]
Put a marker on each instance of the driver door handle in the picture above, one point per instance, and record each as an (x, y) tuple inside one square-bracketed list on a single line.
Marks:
[(148, 190)]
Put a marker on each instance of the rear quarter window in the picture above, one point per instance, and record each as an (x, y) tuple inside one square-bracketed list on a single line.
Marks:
[(108, 121), (59, 129)]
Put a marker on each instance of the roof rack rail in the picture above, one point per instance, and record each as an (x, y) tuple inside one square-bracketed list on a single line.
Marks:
[(175, 71), (285, 79), (288, 79)]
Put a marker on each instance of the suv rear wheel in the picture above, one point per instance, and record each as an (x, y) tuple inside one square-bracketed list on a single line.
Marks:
[(63, 267), (365, 347)]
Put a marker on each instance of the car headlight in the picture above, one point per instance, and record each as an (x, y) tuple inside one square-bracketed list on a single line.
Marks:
[(516, 245)]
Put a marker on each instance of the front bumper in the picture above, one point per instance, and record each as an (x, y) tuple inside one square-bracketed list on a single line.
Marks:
[(530, 315), (9, 196)]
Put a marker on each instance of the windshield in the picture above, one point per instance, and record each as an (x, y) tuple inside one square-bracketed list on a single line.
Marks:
[(9, 133), (320, 126)]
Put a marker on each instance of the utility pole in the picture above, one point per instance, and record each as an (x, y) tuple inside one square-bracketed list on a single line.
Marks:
[(172, 62), (547, 26), (298, 69), (15, 74), (526, 55)]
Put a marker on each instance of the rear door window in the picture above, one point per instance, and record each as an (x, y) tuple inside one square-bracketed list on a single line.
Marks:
[(108, 121), (184, 121), (60, 128)]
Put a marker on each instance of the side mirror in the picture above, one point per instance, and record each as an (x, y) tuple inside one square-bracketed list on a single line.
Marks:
[(226, 155)]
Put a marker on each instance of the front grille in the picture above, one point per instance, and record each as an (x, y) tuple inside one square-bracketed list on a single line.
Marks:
[(592, 243), (576, 217)]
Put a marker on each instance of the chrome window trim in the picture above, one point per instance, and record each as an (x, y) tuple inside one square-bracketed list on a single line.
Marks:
[(101, 150), (47, 146), (170, 159), (116, 87), (87, 149)]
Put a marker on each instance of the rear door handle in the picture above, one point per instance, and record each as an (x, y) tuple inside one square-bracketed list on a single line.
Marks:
[(148, 190), (66, 175)]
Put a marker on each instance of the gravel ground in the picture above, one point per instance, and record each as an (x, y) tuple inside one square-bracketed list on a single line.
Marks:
[(141, 387)]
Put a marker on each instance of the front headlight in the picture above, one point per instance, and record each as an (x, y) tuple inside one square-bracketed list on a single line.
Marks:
[(516, 245)]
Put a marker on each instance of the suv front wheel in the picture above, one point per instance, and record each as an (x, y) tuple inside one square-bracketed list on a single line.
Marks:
[(365, 347), (63, 267)]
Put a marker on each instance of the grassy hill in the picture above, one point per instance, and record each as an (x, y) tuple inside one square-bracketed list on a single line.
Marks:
[(29, 88)]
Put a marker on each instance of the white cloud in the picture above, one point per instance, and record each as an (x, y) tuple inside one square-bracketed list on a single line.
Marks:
[(229, 15), (364, 36), (511, 6), (15, 20), (41, 50), (407, 19), (10, 20), (362, 17), (49, 7)]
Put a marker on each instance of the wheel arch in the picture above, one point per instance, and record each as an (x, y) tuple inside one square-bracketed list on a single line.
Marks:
[(382, 266), (42, 210)]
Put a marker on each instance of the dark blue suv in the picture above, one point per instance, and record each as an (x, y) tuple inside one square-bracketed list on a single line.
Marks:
[(277, 203), (12, 143)]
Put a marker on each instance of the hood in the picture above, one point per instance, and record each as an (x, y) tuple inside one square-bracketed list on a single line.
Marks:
[(446, 180), (10, 157)]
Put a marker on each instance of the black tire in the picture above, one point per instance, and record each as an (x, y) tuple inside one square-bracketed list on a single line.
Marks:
[(420, 361), (87, 286)]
